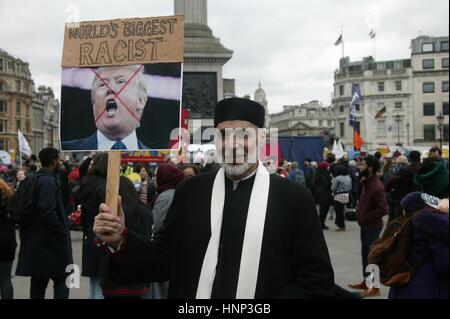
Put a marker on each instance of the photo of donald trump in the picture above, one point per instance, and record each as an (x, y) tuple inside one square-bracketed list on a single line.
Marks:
[(119, 96)]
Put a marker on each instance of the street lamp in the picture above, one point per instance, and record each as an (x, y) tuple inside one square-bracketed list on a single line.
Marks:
[(398, 119), (407, 133), (440, 119)]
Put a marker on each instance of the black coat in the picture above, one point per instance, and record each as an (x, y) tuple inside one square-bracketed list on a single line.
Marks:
[(294, 257), (8, 242), (137, 220), (45, 246), (323, 187), (90, 194)]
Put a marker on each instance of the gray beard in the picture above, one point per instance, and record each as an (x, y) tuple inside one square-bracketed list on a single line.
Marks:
[(236, 170)]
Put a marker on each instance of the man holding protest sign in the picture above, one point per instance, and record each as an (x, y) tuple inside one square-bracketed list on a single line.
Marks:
[(234, 233)]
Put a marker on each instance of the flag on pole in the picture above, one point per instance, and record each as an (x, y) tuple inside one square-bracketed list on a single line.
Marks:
[(372, 34), (338, 150), (356, 99), (358, 141), (380, 112), (24, 147), (339, 40)]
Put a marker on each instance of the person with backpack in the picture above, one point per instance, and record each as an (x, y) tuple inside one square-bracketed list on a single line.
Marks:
[(296, 174), (428, 252), (8, 243), (45, 244), (341, 189), (372, 206)]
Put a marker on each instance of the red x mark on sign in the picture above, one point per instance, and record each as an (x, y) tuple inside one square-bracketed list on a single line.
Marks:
[(116, 95)]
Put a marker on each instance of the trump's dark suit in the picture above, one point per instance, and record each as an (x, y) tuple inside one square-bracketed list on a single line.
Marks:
[(89, 143)]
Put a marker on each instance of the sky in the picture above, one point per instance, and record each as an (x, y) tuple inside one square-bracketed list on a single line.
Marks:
[(288, 45)]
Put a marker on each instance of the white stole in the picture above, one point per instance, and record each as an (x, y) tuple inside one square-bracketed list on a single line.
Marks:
[(254, 230)]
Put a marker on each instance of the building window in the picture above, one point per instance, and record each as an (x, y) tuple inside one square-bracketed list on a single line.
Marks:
[(381, 66), (342, 129), (428, 109), (445, 63), (445, 108), (329, 123), (341, 90), (398, 105), (18, 86), (27, 126), (398, 85), (428, 64), (341, 108), (398, 65), (380, 86), (427, 47), (381, 128), (18, 108), (1, 86), (3, 107), (445, 86), (320, 123), (428, 87), (358, 127), (18, 124), (429, 133), (1, 65), (4, 145), (444, 46), (3, 126), (358, 108), (445, 132)]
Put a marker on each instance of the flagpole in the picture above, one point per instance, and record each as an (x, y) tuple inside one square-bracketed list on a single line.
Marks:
[(20, 158), (375, 47), (342, 35)]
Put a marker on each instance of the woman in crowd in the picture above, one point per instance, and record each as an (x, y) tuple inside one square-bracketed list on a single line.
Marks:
[(91, 194), (137, 221), (430, 236), (167, 179), (8, 244)]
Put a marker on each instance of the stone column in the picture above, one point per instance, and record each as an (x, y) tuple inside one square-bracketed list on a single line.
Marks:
[(194, 11)]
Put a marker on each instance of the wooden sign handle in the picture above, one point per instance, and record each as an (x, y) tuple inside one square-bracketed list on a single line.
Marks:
[(112, 182)]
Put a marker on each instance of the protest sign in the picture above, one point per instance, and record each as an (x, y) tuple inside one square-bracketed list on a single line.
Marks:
[(121, 84), (121, 88)]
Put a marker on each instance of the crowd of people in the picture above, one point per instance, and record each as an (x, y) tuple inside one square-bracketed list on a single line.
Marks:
[(363, 189), (368, 188)]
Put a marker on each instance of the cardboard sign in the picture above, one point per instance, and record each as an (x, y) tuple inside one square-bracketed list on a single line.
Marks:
[(124, 42), (121, 84)]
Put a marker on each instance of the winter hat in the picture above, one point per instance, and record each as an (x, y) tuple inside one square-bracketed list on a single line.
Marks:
[(432, 178), (416, 201), (323, 165), (402, 159)]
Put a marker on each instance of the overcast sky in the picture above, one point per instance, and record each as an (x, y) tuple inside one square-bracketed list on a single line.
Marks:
[(288, 44)]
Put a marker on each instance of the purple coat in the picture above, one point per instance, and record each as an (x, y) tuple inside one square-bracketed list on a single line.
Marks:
[(430, 245)]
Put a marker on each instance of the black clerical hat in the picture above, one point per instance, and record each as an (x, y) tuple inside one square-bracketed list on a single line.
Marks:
[(239, 109)]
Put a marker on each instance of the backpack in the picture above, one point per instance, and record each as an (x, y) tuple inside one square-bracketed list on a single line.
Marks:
[(390, 252), (22, 208)]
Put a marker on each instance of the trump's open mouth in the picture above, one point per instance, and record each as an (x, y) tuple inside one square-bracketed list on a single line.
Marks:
[(111, 108)]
